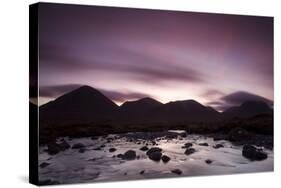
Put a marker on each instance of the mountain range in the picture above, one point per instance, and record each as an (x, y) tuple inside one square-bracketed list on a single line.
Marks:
[(87, 104)]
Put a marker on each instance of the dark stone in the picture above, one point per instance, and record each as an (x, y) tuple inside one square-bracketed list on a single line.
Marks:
[(217, 146), (119, 155), (208, 161), (129, 155), (239, 134), (177, 171), (144, 148), (98, 148), (155, 156), (112, 149), (189, 151), (142, 172), (78, 146), (82, 150), (183, 134), (152, 150), (64, 145), (44, 164), (253, 153), (203, 144), (53, 148), (165, 158), (48, 182), (187, 145)]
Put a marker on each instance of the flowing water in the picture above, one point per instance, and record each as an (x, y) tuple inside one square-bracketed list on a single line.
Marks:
[(71, 166)]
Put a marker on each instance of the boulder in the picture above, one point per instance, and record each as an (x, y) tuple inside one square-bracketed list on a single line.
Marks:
[(112, 149), (64, 145), (239, 134), (253, 153), (177, 171), (208, 161), (53, 148), (165, 158), (155, 156), (44, 164), (78, 146), (189, 151), (217, 146), (129, 155), (203, 144), (144, 148), (187, 145), (154, 149)]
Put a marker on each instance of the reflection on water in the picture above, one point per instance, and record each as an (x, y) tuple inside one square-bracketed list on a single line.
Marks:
[(71, 166)]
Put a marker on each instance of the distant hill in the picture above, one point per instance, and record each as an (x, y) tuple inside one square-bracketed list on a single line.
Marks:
[(84, 104), (247, 109)]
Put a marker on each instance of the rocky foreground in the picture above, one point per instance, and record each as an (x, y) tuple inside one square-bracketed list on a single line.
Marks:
[(169, 151)]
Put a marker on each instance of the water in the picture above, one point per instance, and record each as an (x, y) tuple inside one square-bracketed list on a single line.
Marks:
[(71, 166)]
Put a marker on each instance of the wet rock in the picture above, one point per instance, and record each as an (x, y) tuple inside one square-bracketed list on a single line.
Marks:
[(239, 134), (142, 172), (187, 145), (48, 182), (203, 144), (78, 146), (112, 149), (155, 156), (144, 148), (177, 171), (64, 145), (129, 155), (165, 158), (152, 150), (253, 153), (53, 148), (44, 164), (217, 146), (98, 148), (208, 161), (189, 151), (219, 137), (183, 134), (82, 150)]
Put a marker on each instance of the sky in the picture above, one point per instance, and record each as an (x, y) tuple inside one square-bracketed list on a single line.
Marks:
[(218, 60)]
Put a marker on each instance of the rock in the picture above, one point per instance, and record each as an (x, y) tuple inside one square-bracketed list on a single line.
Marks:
[(78, 146), (98, 148), (142, 172), (217, 146), (64, 145), (155, 156), (177, 171), (48, 182), (144, 148), (129, 155), (119, 155), (189, 151), (183, 134), (208, 161), (53, 148), (253, 153), (82, 150), (112, 149), (203, 144), (165, 158), (152, 150), (187, 145), (238, 134), (44, 164)]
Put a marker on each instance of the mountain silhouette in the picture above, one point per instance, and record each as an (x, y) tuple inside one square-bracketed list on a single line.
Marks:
[(139, 106), (247, 109), (81, 105), (187, 111)]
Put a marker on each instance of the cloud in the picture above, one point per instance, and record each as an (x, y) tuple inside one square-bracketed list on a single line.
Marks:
[(236, 99), (213, 93), (58, 90)]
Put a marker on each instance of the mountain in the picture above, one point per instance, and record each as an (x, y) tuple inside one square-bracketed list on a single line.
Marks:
[(247, 109), (139, 106), (186, 111), (84, 104)]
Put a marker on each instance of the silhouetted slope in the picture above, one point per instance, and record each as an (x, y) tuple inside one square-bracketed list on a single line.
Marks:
[(139, 106), (186, 111), (247, 109), (81, 105)]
